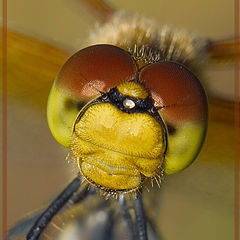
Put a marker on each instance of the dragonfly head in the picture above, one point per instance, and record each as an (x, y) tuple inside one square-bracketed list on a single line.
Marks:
[(125, 122)]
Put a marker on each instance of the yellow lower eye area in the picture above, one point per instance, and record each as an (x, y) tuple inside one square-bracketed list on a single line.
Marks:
[(115, 149)]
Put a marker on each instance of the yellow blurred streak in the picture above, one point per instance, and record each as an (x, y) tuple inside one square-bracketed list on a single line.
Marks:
[(223, 52), (31, 68), (219, 145)]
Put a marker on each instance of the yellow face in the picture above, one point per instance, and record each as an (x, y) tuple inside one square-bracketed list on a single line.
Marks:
[(123, 122), (116, 147)]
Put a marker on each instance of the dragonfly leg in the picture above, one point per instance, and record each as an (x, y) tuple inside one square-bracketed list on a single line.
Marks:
[(54, 207), (22, 227), (80, 196), (127, 219), (141, 225)]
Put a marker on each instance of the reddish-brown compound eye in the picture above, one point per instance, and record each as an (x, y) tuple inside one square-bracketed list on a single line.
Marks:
[(93, 69), (98, 67), (183, 107), (177, 91)]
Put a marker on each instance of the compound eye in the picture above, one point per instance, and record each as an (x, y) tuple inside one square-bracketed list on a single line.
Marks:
[(183, 107), (87, 73), (96, 68), (176, 91)]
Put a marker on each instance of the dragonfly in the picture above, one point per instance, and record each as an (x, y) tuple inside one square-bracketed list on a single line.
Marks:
[(222, 105)]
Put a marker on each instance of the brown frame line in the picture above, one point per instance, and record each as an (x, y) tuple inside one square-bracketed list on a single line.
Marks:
[(4, 122), (236, 122)]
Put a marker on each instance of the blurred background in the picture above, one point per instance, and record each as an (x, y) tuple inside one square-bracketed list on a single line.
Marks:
[(194, 204)]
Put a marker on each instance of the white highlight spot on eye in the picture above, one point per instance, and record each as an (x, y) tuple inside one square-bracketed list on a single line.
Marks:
[(128, 103)]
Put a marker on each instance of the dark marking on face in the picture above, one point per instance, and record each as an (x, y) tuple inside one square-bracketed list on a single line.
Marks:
[(171, 130), (70, 104)]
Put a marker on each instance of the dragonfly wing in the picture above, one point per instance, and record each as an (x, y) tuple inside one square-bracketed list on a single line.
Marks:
[(223, 52), (31, 68)]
